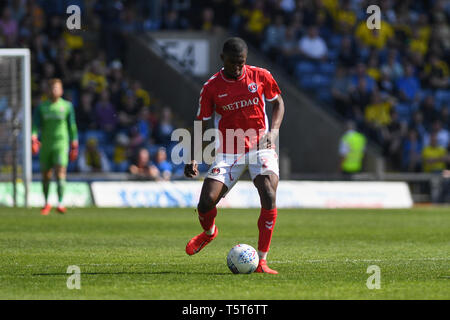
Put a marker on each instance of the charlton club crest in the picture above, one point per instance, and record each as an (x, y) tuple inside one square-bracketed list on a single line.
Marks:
[(253, 87)]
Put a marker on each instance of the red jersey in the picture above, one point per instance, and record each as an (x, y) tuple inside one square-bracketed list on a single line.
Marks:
[(239, 105)]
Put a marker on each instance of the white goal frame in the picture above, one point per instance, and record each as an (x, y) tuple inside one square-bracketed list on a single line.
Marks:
[(25, 55)]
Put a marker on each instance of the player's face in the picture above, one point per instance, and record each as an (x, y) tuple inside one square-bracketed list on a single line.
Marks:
[(57, 90), (233, 64)]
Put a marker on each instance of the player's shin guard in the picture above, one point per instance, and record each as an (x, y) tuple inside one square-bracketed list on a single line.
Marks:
[(207, 218), (266, 223)]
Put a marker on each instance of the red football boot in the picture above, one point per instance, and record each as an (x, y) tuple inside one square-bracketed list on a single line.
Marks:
[(263, 268), (198, 242), (61, 209), (46, 210)]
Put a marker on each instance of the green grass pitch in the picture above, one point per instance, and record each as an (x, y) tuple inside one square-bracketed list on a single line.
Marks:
[(139, 254)]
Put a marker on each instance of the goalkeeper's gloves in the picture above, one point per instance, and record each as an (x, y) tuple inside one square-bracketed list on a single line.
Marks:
[(73, 154), (35, 145)]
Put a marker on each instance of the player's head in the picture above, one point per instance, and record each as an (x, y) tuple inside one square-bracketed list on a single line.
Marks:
[(56, 88), (234, 57)]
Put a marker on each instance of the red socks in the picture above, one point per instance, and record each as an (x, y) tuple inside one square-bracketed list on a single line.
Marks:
[(266, 223), (207, 219)]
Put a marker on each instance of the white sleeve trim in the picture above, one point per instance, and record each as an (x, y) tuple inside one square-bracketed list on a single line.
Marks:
[(270, 100)]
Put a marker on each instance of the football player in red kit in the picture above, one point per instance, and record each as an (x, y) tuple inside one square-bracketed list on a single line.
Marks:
[(236, 98)]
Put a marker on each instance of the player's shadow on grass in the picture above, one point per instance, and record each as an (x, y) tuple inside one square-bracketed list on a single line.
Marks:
[(132, 273)]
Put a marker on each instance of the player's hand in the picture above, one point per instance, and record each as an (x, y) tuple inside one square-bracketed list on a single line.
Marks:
[(35, 145), (73, 154), (267, 141), (191, 169)]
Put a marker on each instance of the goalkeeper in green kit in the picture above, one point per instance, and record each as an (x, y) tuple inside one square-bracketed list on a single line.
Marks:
[(56, 121)]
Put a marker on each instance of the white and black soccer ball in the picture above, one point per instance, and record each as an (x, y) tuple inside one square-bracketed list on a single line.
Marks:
[(242, 258)]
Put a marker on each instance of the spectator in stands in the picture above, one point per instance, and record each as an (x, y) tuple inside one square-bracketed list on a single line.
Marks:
[(347, 53), (373, 69), (121, 153), (417, 125), (256, 22), (144, 125), (128, 22), (274, 36), (128, 113), (345, 17), (163, 132), (393, 135), (312, 46), (360, 98), (142, 95), (434, 156), (442, 135), (143, 168), (386, 84), (289, 49), (361, 73), (436, 73), (75, 66), (137, 140), (428, 109), (377, 115), (85, 112), (164, 167), (408, 87), (173, 21), (392, 68), (92, 159), (340, 91), (105, 113), (374, 38), (412, 152), (8, 27), (94, 78), (206, 21)]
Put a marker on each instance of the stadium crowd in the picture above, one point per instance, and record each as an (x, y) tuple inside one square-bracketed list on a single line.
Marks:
[(116, 117), (393, 81)]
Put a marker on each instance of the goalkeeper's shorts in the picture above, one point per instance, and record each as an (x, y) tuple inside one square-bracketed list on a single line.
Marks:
[(52, 157)]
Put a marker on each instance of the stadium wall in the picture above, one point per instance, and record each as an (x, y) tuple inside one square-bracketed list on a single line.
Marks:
[(290, 194)]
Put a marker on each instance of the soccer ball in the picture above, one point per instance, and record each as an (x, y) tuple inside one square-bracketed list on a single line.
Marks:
[(242, 258)]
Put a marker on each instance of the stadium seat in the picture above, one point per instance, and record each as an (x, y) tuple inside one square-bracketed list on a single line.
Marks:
[(404, 111), (303, 67), (327, 68), (97, 134), (442, 98)]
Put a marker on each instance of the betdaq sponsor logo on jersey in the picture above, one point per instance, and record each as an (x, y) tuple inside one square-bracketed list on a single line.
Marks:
[(240, 104)]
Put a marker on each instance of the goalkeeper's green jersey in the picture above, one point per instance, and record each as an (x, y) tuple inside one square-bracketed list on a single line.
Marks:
[(56, 121)]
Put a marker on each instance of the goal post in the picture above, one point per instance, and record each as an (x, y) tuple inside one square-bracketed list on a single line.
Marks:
[(15, 121)]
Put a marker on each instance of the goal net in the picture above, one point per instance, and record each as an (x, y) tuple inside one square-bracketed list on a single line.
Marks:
[(15, 127)]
